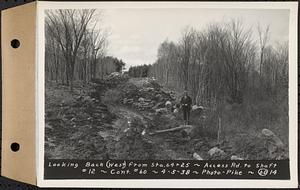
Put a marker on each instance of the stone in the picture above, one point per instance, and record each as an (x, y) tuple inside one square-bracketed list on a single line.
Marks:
[(168, 103), (148, 89), (115, 74), (147, 100), (158, 105), (215, 151), (144, 132), (270, 136), (161, 110), (127, 101), (47, 126), (234, 157), (189, 130), (196, 107), (141, 99), (170, 116), (197, 156), (158, 96)]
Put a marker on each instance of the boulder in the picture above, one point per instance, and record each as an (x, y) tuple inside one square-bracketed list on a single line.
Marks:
[(189, 130), (196, 107), (127, 101), (161, 110), (147, 100), (197, 156), (147, 89), (272, 138), (175, 110), (168, 103), (114, 74), (158, 96), (215, 151), (47, 126), (170, 117), (158, 105), (234, 157), (141, 99)]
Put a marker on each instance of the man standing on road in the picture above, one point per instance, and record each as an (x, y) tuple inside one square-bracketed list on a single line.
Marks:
[(186, 105)]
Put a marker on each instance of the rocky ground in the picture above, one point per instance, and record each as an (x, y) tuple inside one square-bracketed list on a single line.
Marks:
[(122, 118)]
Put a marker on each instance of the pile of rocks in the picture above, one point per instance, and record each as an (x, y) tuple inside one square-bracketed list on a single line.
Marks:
[(148, 97), (71, 128), (83, 111), (92, 110)]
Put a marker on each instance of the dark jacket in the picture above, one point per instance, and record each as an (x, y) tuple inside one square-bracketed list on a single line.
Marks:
[(186, 102)]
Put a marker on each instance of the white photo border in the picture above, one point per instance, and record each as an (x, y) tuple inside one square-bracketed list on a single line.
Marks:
[(169, 183)]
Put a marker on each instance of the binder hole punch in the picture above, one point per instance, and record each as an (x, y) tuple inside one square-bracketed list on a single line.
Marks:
[(15, 43), (15, 147)]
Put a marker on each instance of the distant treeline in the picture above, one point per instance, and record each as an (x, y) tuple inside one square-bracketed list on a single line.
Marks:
[(139, 71), (107, 65)]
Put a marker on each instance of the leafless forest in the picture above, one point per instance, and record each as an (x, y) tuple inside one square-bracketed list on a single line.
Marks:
[(95, 109)]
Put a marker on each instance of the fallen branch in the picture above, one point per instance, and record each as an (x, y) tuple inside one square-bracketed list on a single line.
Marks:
[(172, 129)]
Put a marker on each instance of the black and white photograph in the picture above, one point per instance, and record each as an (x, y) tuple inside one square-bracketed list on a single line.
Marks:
[(127, 85), (146, 84)]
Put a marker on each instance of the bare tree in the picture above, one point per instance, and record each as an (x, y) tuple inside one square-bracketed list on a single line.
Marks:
[(263, 40), (68, 27), (186, 44), (98, 44)]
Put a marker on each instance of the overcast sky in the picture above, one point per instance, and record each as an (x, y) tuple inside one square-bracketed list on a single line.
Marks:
[(135, 34)]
